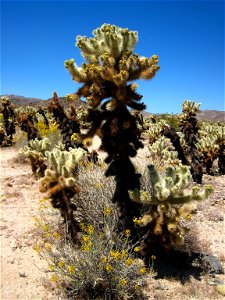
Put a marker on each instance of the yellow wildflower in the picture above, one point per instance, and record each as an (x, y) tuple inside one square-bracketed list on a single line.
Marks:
[(136, 221), (108, 268), (37, 248), (153, 257), (51, 267), (124, 253), (85, 238), (136, 249), (61, 264), (45, 227), (127, 232), (129, 261), (54, 278), (142, 271), (71, 269), (115, 254), (107, 211), (90, 229), (189, 216), (123, 282), (56, 235), (104, 259)]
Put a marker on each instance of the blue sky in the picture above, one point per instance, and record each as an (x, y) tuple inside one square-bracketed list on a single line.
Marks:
[(38, 36)]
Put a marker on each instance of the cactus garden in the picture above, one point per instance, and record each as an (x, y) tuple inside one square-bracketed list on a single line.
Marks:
[(111, 204)]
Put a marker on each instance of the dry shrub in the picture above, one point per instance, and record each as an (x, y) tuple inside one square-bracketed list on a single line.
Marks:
[(105, 265)]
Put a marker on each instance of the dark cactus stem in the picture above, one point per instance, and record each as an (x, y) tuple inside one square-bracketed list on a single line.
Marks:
[(8, 119), (190, 130), (61, 199), (221, 159), (67, 125), (42, 112), (119, 140), (26, 124), (170, 133)]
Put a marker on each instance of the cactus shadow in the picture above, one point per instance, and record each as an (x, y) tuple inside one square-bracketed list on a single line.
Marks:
[(178, 265)]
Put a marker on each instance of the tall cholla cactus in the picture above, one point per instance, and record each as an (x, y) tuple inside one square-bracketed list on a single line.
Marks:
[(209, 149), (110, 65), (189, 127), (168, 200), (35, 152), (60, 184), (9, 119), (212, 144)]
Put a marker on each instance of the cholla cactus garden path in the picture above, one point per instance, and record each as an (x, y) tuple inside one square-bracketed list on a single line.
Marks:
[(24, 274)]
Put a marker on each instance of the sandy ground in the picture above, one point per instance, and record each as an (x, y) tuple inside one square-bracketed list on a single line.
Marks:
[(23, 273)]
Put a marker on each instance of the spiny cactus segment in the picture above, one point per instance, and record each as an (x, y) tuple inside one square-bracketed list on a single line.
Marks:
[(163, 153), (110, 65), (168, 200), (35, 152), (60, 184)]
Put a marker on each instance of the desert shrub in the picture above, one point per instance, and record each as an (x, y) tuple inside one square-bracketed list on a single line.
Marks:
[(106, 264), (50, 131)]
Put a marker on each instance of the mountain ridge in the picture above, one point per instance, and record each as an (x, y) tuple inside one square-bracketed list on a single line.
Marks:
[(210, 115)]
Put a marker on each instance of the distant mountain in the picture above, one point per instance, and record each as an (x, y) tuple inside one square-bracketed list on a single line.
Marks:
[(36, 102), (210, 115)]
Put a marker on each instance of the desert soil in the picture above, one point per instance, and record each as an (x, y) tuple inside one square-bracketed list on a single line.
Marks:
[(24, 275)]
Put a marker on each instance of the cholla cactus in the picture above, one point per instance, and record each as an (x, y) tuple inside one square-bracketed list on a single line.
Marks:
[(189, 127), (208, 148), (9, 119), (110, 64), (212, 144), (163, 154), (190, 107), (60, 184), (154, 132), (168, 200), (68, 125), (35, 152), (3, 137)]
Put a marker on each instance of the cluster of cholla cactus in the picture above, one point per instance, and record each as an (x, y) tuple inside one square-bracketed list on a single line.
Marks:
[(163, 153), (35, 152), (68, 125), (60, 184), (9, 119), (109, 65), (168, 201), (212, 146), (189, 127)]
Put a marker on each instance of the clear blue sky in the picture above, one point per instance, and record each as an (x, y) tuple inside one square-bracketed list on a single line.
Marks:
[(38, 36)]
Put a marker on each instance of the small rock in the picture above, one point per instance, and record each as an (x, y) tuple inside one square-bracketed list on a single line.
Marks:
[(221, 289), (9, 184), (22, 274)]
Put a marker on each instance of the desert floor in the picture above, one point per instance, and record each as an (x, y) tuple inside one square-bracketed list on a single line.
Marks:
[(24, 275)]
